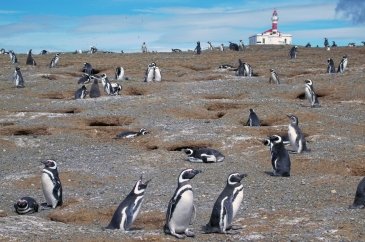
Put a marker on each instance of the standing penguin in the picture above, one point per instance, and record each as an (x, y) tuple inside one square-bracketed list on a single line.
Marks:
[(359, 201), (51, 184), (18, 78), (330, 66), (94, 89), (54, 60), (253, 119), (128, 209), (181, 209), (293, 52), (152, 73), (204, 155), (81, 92), (198, 49), (274, 77), (30, 59), (88, 69), (84, 79), (343, 64), (13, 57), (226, 206), (119, 73), (109, 87), (26, 205), (296, 137), (280, 159), (311, 94)]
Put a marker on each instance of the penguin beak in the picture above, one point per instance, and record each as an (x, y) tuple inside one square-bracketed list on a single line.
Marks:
[(197, 171), (243, 175), (289, 116)]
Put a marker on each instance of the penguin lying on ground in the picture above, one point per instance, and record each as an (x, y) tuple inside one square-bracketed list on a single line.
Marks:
[(181, 209), (204, 155), (128, 209), (131, 134), (26, 205), (226, 206)]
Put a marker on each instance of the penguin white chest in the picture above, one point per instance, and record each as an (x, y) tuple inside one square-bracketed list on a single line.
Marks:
[(293, 135), (47, 187), (183, 212), (237, 200)]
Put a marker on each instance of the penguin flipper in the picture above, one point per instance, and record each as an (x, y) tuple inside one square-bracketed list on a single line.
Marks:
[(129, 220), (193, 215), (229, 210)]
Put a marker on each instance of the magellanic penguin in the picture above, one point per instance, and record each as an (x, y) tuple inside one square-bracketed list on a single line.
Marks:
[(359, 201), (26, 205), (296, 137), (293, 52), (311, 94), (13, 57), (274, 78), (18, 78), (331, 66), (84, 79), (226, 206), (280, 159), (131, 134), (181, 209), (94, 89), (253, 119), (128, 209), (30, 59), (204, 155), (153, 73), (81, 92), (343, 64), (88, 69), (244, 69), (51, 184), (54, 61), (109, 87), (119, 73)]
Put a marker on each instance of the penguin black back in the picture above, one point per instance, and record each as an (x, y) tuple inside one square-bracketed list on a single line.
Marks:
[(359, 201), (280, 159), (253, 119)]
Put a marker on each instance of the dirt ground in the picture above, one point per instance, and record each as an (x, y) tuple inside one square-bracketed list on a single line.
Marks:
[(196, 104)]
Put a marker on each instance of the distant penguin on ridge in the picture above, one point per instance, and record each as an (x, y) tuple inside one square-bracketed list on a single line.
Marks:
[(30, 59)]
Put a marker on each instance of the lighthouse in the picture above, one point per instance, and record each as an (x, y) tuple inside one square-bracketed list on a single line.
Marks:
[(271, 36), (274, 19)]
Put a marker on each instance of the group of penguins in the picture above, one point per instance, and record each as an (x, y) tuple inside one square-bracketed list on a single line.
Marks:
[(181, 209)]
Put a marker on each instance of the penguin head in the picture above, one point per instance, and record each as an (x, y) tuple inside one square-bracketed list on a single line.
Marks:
[(17, 68), (187, 175), (83, 87), (251, 110), (188, 151), (271, 70), (308, 82), (50, 164), (143, 132), (293, 119), (235, 178), (266, 142), (22, 203), (275, 139), (140, 186)]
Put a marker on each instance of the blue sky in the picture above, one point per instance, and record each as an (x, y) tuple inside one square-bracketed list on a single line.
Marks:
[(117, 25)]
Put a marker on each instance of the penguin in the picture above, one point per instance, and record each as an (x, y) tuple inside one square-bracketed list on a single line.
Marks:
[(181, 209), (343, 64), (30, 60), (94, 89), (144, 47), (293, 52), (2, 51), (128, 209), (26, 205), (280, 159), (296, 137), (226, 206), (241, 68), (233, 46), (54, 61), (330, 66), (81, 92), (221, 47), (131, 134), (203, 155), (110, 88), (43, 52), (51, 184), (119, 73), (198, 49), (18, 78), (13, 58), (274, 77), (176, 50), (227, 67), (152, 73), (241, 46), (88, 69), (253, 119), (310, 93), (359, 201), (84, 79)]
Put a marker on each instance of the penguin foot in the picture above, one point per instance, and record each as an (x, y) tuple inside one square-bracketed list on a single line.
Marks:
[(189, 233), (235, 227), (179, 236), (45, 206)]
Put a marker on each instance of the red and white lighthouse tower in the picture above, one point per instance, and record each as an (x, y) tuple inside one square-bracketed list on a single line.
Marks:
[(274, 19)]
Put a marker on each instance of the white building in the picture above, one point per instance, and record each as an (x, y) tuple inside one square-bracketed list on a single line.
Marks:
[(271, 36)]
